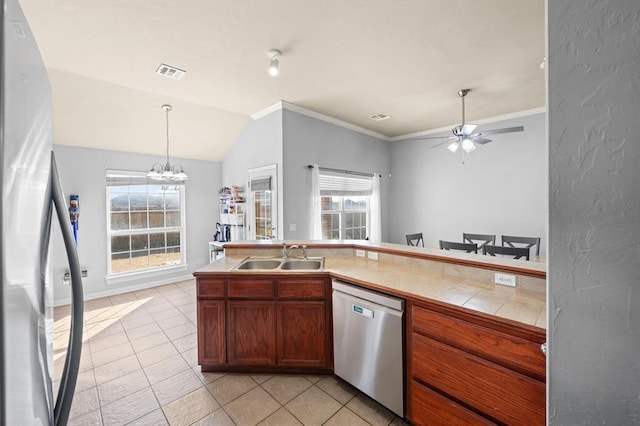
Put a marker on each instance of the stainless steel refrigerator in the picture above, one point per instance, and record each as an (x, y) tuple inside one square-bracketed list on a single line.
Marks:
[(31, 195)]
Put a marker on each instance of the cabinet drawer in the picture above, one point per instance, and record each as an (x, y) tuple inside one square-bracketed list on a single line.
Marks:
[(302, 289), (512, 352), (251, 288), (431, 408), (502, 394), (208, 287)]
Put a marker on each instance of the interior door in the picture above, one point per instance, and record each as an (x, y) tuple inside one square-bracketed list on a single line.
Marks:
[(263, 203)]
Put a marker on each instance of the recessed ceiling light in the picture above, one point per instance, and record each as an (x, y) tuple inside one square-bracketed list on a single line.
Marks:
[(171, 72), (380, 117)]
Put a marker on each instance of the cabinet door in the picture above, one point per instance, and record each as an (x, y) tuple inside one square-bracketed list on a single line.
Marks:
[(301, 334), (211, 332), (251, 332)]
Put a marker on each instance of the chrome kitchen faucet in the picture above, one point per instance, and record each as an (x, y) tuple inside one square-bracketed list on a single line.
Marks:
[(286, 250)]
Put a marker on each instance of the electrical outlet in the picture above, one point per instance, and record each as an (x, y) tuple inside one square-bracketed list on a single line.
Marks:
[(373, 255), (66, 278), (292, 227), (505, 279), (360, 253)]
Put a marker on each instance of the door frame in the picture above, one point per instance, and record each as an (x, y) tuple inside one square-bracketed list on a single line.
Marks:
[(272, 171)]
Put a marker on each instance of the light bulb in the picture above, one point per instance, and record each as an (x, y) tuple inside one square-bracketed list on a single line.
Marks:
[(274, 65), (468, 145), (454, 146), (273, 68)]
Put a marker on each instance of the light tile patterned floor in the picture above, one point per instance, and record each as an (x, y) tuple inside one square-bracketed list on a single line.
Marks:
[(139, 367)]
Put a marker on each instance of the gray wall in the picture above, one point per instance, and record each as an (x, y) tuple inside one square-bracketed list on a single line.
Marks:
[(260, 144), (594, 170), (311, 141), (82, 172), (500, 189)]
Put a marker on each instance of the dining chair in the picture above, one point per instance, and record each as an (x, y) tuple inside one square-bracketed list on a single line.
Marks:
[(480, 239), (516, 252), (415, 239), (528, 242), (451, 245)]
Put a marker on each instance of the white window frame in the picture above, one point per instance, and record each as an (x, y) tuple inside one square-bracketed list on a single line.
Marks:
[(345, 184), (342, 213), (139, 179)]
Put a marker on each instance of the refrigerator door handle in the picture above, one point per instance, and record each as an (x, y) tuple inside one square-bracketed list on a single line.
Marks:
[(74, 350)]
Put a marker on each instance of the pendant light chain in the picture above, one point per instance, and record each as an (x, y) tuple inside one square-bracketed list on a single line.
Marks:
[(167, 114), (167, 108), (167, 173)]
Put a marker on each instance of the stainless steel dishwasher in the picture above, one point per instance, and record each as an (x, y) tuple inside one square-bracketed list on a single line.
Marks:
[(367, 343)]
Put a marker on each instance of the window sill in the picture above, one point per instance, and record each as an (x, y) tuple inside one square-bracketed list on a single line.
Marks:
[(144, 275)]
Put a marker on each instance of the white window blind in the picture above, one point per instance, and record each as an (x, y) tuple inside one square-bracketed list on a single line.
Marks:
[(260, 184), (336, 183)]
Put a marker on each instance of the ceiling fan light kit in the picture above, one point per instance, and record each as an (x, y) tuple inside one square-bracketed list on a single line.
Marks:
[(463, 135)]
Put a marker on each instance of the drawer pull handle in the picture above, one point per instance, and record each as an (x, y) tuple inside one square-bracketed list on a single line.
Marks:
[(543, 348)]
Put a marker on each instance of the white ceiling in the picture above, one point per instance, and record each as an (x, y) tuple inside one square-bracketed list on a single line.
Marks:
[(348, 59)]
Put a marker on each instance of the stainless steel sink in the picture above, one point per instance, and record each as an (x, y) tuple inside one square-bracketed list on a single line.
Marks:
[(259, 264), (298, 264), (292, 264)]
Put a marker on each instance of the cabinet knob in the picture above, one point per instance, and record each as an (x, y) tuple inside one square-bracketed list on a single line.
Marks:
[(543, 348)]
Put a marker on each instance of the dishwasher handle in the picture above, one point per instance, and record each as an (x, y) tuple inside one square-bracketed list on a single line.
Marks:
[(369, 295)]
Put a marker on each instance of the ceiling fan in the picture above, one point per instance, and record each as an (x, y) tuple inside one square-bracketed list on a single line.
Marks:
[(463, 135)]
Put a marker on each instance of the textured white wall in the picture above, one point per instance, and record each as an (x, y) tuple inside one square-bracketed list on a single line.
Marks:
[(594, 170), (82, 172)]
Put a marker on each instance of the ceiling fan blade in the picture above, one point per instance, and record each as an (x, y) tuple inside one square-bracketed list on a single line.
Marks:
[(442, 143), (467, 129), (435, 137), (480, 140), (505, 130)]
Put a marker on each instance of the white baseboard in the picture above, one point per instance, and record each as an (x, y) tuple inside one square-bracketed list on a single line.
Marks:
[(127, 289)]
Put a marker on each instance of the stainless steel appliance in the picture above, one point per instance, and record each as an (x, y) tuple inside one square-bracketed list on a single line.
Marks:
[(30, 192), (367, 343)]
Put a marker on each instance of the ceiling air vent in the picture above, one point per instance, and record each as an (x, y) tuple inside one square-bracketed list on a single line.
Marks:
[(380, 117), (171, 72)]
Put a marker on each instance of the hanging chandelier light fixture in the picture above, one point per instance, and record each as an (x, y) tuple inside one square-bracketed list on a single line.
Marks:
[(167, 172)]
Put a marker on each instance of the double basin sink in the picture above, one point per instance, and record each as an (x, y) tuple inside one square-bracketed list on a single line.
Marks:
[(288, 264)]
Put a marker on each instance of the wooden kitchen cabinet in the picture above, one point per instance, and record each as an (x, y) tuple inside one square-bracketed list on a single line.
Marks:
[(211, 323), (251, 333), (302, 334), (473, 368), (266, 323)]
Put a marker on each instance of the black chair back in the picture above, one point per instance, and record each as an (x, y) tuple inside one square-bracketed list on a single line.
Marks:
[(415, 239), (451, 245), (528, 242), (480, 239), (516, 252)]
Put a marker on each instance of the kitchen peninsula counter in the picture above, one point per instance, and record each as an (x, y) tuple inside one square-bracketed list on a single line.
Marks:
[(472, 348), (463, 280)]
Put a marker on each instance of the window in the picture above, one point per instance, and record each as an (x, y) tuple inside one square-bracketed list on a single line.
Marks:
[(344, 217), (345, 200), (145, 224)]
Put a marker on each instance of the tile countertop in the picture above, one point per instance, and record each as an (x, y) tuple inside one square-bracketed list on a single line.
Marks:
[(521, 305)]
